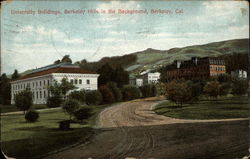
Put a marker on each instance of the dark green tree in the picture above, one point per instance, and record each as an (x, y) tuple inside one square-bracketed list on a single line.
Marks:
[(93, 97), (106, 74), (116, 91), (120, 76), (70, 106), (78, 95), (66, 59), (23, 100), (5, 90), (130, 93), (15, 75), (107, 95), (240, 87)]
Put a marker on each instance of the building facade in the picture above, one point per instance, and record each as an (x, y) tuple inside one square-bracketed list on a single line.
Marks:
[(136, 81), (150, 78), (239, 74), (40, 79), (196, 68)]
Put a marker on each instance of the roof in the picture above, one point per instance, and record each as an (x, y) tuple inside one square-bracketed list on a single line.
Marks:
[(60, 69)]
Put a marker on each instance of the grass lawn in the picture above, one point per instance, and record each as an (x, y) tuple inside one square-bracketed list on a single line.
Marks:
[(13, 108), (21, 139), (224, 108)]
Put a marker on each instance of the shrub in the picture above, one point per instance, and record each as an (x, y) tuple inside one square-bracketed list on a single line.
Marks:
[(78, 95), (83, 113), (107, 95), (130, 93), (23, 100), (70, 106), (31, 116), (115, 90), (224, 89), (93, 97), (148, 90), (224, 78), (212, 88), (240, 87), (196, 89), (54, 101), (178, 92), (64, 125)]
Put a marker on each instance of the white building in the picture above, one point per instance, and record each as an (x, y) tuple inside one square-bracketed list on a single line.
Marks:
[(39, 80), (149, 78), (239, 74), (136, 81)]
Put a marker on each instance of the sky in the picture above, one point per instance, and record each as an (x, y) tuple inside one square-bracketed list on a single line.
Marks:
[(30, 41)]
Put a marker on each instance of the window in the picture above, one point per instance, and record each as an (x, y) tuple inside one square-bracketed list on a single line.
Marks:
[(37, 95), (44, 94), (80, 81), (33, 95), (75, 81), (71, 81), (40, 83), (44, 82), (48, 82), (33, 84), (36, 83), (87, 81), (41, 96)]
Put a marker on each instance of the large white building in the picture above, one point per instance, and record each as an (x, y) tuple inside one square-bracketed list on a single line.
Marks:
[(39, 80), (145, 78), (149, 78)]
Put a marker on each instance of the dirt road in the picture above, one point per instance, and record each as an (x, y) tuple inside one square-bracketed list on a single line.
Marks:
[(132, 130)]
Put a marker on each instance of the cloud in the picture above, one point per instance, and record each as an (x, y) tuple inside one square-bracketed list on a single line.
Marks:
[(74, 41)]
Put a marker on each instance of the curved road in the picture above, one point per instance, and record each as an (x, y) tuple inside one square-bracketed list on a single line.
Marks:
[(133, 130)]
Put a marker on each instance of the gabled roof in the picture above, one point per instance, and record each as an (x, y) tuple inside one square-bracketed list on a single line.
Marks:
[(60, 69)]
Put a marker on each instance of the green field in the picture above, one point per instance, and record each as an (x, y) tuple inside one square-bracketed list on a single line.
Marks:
[(22, 139), (13, 108), (225, 108)]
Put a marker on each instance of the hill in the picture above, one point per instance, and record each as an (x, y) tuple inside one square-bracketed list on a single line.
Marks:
[(152, 59)]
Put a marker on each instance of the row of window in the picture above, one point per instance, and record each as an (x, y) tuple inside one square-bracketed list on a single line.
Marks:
[(76, 81), (216, 68), (37, 94), (31, 84)]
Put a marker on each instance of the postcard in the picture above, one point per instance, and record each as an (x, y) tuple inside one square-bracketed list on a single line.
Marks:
[(124, 79)]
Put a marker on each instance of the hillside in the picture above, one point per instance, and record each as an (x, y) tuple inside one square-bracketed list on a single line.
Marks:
[(154, 59), (151, 59)]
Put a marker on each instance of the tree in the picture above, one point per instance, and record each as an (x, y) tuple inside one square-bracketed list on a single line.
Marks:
[(212, 89), (224, 78), (54, 101), (57, 62), (106, 74), (83, 113), (66, 86), (70, 106), (115, 90), (120, 76), (107, 95), (66, 59), (178, 92), (78, 95), (93, 97), (5, 90), (224, 88), (130, 93), (23, 100), (240, 87), (148, 90), (196, 89), (15, 75)]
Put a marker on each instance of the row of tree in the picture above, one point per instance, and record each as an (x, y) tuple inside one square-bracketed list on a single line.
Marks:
[(182, 91)]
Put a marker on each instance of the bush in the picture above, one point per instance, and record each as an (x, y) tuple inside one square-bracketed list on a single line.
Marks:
[(107, 95), (54, 101), (240, 87), (196, 89), (179, 92), (70, 106), (31, 116), (64, 125), (212, 88), (116, 91), (148, 90), (130, 93), (93, 97), (23, 100), (78, 95), (83, 113)]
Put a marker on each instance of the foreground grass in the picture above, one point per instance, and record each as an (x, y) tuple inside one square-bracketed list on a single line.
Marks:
[(225, 108), (13, 108), (21, 139)]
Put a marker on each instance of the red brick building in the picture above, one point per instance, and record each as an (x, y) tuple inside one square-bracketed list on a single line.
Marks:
[(196, 68)]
